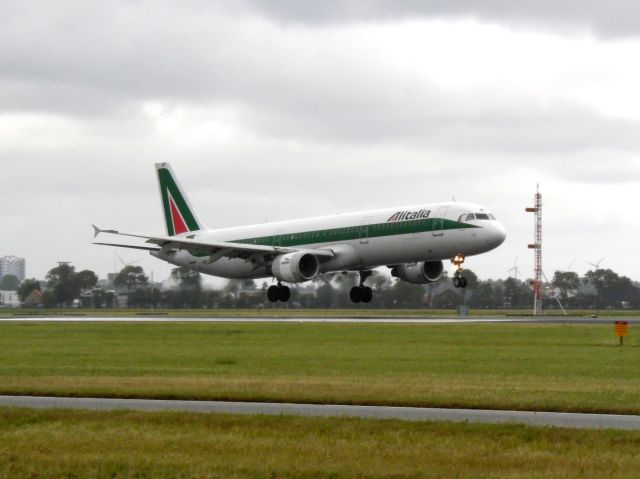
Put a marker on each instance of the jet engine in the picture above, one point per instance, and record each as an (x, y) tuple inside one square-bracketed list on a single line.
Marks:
[(422, 272), (295, 267)]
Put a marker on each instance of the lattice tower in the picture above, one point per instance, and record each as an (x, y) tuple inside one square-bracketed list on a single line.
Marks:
[(537, 248)]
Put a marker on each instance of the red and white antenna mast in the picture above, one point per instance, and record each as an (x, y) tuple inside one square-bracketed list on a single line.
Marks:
[(537, 247)]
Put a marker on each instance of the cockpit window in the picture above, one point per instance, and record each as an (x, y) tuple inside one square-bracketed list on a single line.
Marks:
[(476, 216)]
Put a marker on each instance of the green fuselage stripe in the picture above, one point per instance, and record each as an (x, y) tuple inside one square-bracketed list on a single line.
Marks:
[(349, 233)]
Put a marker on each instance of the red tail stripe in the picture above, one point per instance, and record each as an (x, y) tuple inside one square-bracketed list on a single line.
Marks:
[(179, 226)]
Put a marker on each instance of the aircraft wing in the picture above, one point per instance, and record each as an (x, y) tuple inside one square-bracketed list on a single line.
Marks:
[(144, 248), (215, 249)]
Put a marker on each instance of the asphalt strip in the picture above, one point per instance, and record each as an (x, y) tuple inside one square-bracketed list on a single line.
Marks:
[(115, 319), (345, 320), (554, 419)]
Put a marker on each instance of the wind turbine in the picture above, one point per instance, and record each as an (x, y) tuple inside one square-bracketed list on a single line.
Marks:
[(596, 265), (124, 265), (515, 269), (572, 263)]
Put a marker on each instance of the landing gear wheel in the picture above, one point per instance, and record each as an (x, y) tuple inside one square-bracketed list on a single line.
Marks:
[(284, 293), (278, 293), (356, 294), (458, 280), (362, 293), (367, 294), (273, 293)]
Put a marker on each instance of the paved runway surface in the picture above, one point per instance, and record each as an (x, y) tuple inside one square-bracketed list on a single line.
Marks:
[(399, 320), (161, 319), (570, 420)]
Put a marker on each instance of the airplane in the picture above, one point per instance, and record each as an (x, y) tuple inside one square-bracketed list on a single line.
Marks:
[(412, 241)]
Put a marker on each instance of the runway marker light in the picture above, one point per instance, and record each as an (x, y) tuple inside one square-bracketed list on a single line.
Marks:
[(622, 330)]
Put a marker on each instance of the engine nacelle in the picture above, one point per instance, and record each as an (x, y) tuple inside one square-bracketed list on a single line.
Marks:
[(422, 272), (295, 267)]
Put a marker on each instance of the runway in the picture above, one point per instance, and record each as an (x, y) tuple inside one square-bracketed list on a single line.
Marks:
[(164, 319), (346, 320), (568, 420)]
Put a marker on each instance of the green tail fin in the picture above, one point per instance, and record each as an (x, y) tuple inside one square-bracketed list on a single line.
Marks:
[(179, 215)]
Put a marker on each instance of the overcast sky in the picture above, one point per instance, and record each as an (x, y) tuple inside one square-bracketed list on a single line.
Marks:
[(274, 110)]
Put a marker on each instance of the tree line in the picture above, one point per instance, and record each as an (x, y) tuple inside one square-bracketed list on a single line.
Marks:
[(598, 289)]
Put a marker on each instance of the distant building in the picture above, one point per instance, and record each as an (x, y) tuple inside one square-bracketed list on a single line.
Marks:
[(9, 299), (14, 266), (33, 300)]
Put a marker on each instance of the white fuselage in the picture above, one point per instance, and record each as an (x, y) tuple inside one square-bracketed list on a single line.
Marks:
[(359, 241)]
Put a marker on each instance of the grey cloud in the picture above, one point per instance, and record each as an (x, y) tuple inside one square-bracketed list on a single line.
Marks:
[(91, 58), (104, 59), (612, 18), (428, 121)]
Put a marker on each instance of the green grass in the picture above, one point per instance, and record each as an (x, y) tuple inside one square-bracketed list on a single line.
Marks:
[(495, 366), (74, 444)]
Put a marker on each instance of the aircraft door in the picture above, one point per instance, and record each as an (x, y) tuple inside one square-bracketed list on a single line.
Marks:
[(364, 231), (438, 220)]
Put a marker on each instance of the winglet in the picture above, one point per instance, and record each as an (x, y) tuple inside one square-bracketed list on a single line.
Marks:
[(96, 231)]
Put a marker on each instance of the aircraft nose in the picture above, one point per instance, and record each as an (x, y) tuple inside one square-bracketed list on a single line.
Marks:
[(499, 233)]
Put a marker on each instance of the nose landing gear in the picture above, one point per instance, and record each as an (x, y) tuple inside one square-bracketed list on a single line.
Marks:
[(362, 293), (278, 293), (458, 280)]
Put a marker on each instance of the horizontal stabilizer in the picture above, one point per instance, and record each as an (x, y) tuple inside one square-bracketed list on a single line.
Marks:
[(97, 231), (145, 248)]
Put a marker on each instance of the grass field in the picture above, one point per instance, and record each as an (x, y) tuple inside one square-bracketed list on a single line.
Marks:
[(55, 444), (495, 366)]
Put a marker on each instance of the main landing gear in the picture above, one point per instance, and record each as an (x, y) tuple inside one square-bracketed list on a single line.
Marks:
[(278, 293), (458, 280), (362, 293)]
